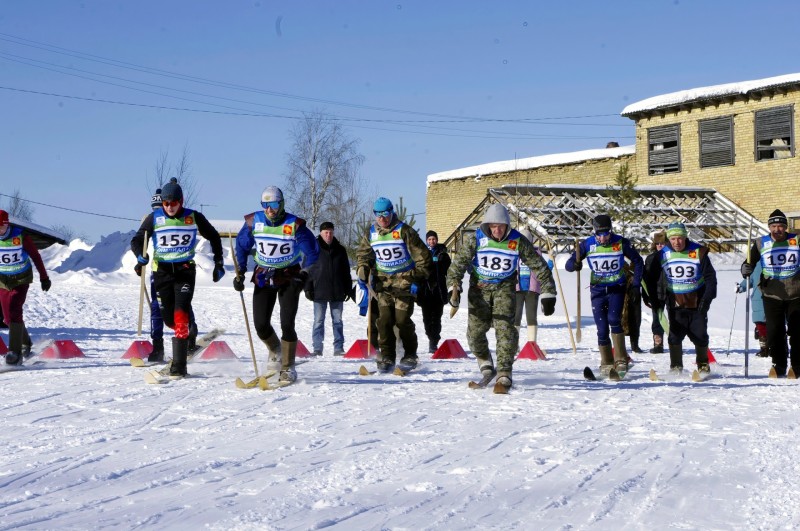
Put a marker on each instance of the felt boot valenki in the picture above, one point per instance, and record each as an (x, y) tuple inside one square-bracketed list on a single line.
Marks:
[(288, 352)]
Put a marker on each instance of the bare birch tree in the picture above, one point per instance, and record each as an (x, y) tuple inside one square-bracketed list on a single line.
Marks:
[(19, 207), (181, 169)]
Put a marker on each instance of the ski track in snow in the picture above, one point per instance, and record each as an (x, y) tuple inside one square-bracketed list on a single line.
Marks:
[(89, 445)]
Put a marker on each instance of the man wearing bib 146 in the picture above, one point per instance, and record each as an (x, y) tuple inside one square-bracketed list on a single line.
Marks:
[(284, 250), (17, 254), (605, 253), (691, 285), (779, 254), (492, 256), (174, 229), (400, 262)]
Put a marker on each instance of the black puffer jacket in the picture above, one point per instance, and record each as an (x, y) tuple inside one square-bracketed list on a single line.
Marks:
[(330, 280), (435, 288)]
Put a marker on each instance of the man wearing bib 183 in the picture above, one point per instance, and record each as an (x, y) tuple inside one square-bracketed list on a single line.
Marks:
[(779, 255), (691, 285), (605, 253), (284, 250), (18, 255), (400, 262), (492, 256), (173, 230)]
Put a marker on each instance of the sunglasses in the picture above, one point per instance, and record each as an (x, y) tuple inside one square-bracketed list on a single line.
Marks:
[(602, 234), (172, 204), (274, 205), (382, 213)]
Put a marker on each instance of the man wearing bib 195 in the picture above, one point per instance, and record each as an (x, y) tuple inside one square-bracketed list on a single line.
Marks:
[(173, 230), (779, 255), (284, 250), (605, 253), (492, 256), (399, 262), (691, 285)]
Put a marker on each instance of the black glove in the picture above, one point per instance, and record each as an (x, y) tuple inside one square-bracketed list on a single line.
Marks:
[(351, 295), (238, 283), (300, 278), (703, 305), (219, 270), (46, 283), (646, 300), (309, 294), (138, 269), (746, 269), (577, 265), (363, 274), (548, 305)]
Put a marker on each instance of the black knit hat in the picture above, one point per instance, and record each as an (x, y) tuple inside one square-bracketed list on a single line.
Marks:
[(778, 217), (326, 225), (431, 233), (601, 223), (172, 191)]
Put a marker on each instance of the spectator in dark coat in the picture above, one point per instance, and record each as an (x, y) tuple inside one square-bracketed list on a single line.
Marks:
[(329, 285), (433, 295)]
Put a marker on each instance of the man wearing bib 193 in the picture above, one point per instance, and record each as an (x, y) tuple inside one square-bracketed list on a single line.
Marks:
[(18, 255), (606, 252), (173, 230), (284, 250), (691, 285), (399, 262), (492, 256), (779, 255)]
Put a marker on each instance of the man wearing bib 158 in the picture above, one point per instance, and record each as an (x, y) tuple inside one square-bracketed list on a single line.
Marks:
[(605, 253), (173, 230), (492, 256), (284, 249), (400, 262), (779, 254), (691, 284)]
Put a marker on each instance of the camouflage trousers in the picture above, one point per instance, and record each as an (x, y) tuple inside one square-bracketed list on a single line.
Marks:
[(395, 310), (493, 308)]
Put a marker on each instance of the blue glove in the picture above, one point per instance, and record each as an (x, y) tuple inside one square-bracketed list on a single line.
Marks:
[(264, 276), (219, 270), (550, 263), (414, 289), (363, 303), (143, 259)]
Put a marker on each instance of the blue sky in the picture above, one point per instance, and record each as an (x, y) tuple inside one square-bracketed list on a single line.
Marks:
[(574, 64)]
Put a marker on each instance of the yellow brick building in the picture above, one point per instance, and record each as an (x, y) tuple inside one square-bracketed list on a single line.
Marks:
[(738, 138)]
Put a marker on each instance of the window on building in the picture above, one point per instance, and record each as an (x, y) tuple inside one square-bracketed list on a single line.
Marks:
[(774, 133), (716, 142), (664, 149)]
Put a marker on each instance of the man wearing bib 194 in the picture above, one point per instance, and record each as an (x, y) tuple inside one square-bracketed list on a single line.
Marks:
[(606, 252), (173, 230), (779, 255), (691, 285), (284, 250), (399, 262), (492, 256)]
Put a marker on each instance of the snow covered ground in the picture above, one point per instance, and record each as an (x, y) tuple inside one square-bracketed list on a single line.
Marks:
[(87, 444)]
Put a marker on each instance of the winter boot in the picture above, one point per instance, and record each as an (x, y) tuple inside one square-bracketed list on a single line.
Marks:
[(385, 362), (27, 344), (658, 344), (675, 358), (620, 353), (192, 340), (532, 330), (763, 352), (180, 351), (606, 359), (15, 334), (635, 345), (433, 344), (274, 346), (409, 362), (504, 377), (701, 354), (158, 350), (288, 351)]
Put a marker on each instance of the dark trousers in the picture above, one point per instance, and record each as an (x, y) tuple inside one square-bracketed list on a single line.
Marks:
[(264, 303), (656, 327), (174, 284), (11, 301), (529, 300), (683, 322), (634, 304), (779, 313), (432, 318), (607, 302)]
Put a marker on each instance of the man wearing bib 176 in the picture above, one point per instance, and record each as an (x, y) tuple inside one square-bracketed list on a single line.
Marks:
[(606, 252), (779, 254), (284, 250), (173, 230), (492, 256), (691, 284), (399, 262)]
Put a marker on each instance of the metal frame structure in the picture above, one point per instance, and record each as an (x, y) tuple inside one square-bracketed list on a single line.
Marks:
[(564, 212)]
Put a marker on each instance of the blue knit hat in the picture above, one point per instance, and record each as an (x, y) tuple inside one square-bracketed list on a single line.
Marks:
[(677, 229)]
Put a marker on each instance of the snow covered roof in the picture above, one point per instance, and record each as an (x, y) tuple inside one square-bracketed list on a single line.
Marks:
[(555, 159), (227, 226), (683, 97), (43, 237)]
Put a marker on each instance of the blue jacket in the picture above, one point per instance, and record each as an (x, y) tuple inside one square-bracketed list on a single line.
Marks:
[(756, 301)]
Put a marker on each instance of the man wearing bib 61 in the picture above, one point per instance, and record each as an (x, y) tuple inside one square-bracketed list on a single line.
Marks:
[(605, 253), (173, 230), (492, 256), (284, 250), (779, 254)]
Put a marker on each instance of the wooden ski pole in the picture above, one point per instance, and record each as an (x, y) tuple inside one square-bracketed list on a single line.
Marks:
[(561, 292), (578, 285), (239, 382), (747, 307), (141, 287)]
